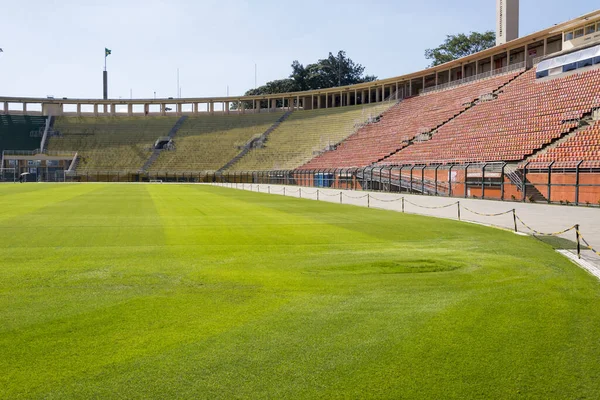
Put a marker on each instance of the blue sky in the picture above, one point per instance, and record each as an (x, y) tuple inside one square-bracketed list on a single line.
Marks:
[(56, 47)]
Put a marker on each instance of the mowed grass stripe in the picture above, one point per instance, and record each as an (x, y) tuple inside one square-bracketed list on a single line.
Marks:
[(239, 294)]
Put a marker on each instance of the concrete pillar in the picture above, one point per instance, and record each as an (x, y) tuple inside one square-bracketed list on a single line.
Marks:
[(436, 78), (369, 95), (545, 46), (450, 75), (376, 94), (24, 108), (273, 104), (382, 92), (477, 67), (462, 71), (319, 102), (507, 57), (95, 110), (113, 109), (348, 98), (491, 63), (410, 87), (195, 108), (298, 102), (178, 108), (326, 100), (6, 107), (226, 107), (211, 107), (129, 109), (396, 91)]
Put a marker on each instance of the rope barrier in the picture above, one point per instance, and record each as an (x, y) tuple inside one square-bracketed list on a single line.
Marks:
[(487, 215), (356, 198), (545, 234), (585, 242), (432, 208), (387, 201), (330, 195), (516, 218)]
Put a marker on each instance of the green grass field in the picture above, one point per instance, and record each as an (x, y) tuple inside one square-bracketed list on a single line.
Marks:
[(189, 291)]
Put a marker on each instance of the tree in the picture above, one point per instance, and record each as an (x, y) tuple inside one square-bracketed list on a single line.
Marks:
[(326, 73), (461, 45)]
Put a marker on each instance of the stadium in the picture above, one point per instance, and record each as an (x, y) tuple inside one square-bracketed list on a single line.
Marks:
[(429, 235)]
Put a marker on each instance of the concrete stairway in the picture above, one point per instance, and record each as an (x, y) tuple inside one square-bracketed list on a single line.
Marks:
[(255, 143), (156, 152)]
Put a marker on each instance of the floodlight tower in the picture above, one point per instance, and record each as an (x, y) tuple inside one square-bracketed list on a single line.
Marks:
[(507, 21)]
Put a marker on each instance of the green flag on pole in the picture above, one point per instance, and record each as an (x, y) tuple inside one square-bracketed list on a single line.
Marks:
[(107, 52)]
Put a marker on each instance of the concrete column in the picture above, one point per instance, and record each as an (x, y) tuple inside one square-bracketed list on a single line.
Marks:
[(129, 109), (298, 102), (326, 100), (312, 101), (507, 57), (462, 71), (178, 108), (436, 78), (195, 108), (491, 63), (348, 98), (24, 108), (146, 109), (410, 87), (95, 110), (450, 75), (369, 95), (6, 107), (396, 91), (355, 97), (477, 67), (376, 95), (226, 107), (211, 107), (319, 102), (545, 46), (113, 109), (273, 104), (382, 92), (423, 83)]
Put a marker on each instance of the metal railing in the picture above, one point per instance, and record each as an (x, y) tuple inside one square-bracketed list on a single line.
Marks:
[(484, 75)]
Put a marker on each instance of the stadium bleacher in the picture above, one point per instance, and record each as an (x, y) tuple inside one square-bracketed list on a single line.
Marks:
[(404, 122), (21, 132), (527, 115), (305, 133), (583, 146), (109, 143), (207, 143)]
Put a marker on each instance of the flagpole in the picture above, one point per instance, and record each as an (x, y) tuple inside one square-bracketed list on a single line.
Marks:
[(105, 79)]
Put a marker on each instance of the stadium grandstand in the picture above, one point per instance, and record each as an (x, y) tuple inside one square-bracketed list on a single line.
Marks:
[(525, 111)]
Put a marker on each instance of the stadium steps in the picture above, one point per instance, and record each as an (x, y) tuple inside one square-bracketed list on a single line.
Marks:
[(515, 175), (257, 142), (424, 136), (584, 122), (156, 152)]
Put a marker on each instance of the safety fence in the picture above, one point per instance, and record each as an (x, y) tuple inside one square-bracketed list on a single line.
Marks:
[(574, 183), (370, 198)]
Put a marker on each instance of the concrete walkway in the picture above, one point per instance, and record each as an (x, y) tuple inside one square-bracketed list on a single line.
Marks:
[(543, 218)]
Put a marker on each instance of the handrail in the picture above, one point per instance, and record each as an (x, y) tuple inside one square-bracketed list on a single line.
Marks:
[(484, 75)]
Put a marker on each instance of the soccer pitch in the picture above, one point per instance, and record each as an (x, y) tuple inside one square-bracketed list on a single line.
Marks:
[(193, 291)]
